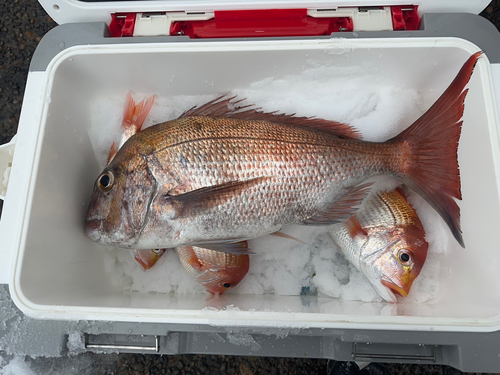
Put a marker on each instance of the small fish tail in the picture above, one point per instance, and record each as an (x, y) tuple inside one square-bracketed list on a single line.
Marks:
[(431, 144), (135, 114), (112, 153)]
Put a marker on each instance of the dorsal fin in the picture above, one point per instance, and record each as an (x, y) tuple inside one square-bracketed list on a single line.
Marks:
[(224, 106)]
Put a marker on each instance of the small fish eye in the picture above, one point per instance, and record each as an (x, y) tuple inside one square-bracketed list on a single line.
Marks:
[(404, 256), (226, 285), (106, 181)]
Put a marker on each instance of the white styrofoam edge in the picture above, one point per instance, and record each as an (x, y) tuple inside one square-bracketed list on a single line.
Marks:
[(72, 11), (14, 208), (39, 84)]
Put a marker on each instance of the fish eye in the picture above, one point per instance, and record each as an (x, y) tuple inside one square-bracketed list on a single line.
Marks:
[(226, 285), (106, 181), (404, 257)]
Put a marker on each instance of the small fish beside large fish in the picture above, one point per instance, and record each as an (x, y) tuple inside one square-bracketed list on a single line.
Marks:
[(217, 272), (223, 173), (385, 241)]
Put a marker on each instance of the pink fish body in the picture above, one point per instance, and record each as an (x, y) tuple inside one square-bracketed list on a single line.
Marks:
[(215, 270), (221, 174), (385, 240)]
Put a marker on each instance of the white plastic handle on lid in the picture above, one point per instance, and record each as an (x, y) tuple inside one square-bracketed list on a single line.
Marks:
[(6, 157)]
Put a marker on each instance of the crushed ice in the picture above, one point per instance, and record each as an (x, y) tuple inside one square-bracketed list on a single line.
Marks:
[(377, 108)]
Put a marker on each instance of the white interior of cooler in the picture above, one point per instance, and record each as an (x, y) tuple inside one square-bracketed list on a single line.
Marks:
[(61, 269)]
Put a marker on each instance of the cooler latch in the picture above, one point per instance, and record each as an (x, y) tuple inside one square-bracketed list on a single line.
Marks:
[(264, 22)]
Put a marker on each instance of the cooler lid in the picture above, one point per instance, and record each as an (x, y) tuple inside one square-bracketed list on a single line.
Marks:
[(73, 11)]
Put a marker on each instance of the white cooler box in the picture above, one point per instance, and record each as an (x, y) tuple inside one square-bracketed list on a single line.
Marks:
[(58, 273)]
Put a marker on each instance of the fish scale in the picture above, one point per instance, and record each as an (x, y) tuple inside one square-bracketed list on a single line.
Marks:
[(302, 177), (387, 210)]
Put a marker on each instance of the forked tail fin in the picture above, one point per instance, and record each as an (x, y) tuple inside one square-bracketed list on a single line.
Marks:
[(112, 153), (135, 114), (432, 142)]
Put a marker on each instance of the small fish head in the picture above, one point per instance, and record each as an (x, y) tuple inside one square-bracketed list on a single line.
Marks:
[(218, 280), (393, 259), (119, 204)]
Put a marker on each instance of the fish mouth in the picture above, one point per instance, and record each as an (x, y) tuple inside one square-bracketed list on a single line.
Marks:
[(93, 229), (91, 226), (393, 288)]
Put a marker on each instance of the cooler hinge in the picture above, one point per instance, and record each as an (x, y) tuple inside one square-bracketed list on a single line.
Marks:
[(265, 22)]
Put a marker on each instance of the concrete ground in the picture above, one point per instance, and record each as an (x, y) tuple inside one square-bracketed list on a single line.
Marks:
[(22, 24)]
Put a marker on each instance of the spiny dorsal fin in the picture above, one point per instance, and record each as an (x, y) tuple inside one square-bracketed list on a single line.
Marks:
[(223, 106)]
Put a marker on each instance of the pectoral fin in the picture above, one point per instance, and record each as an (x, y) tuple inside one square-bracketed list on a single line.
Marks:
[(188, 258), (354, 227), (199, 200), (341, 209)]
